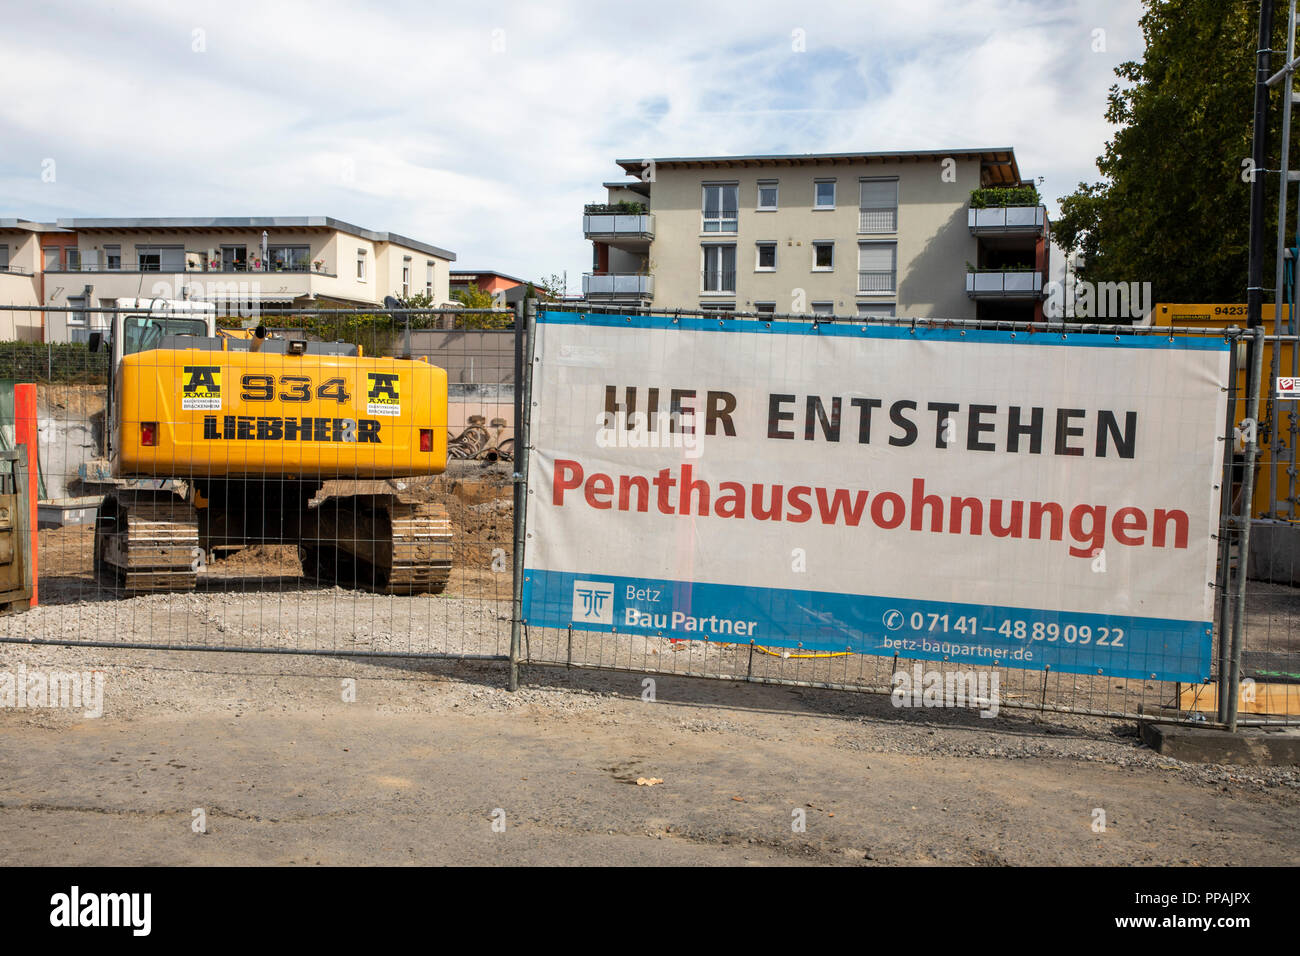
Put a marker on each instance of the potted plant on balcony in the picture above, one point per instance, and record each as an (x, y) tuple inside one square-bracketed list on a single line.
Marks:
[(318, 265)]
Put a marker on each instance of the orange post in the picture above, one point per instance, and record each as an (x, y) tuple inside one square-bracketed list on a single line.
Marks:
[(25, 435)]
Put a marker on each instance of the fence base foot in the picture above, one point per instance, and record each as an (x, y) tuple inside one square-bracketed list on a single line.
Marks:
[(1247, 746)]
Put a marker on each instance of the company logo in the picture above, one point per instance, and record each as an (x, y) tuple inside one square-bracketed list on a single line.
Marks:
[(593, 602), (201, 390), (1288, 388), (382, 394)]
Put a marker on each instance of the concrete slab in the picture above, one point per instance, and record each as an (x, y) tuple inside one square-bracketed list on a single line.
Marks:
[(1249, 746)]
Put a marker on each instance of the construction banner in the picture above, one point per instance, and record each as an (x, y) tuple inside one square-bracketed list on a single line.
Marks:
[(987, 497)]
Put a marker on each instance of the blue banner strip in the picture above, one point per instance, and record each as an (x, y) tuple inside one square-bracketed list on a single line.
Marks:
[(1031, 639), (847, 328)]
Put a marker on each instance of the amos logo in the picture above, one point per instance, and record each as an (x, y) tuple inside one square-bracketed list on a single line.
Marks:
[(201, 388), (382, 394), (593, 602)]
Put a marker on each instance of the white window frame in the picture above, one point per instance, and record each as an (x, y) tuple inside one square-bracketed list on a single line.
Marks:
[(758, 259), (112, 251), (864, 210), (818, 243), (406, 276), (77, 302), (720, 220), (817, 183), (775, 186), (428, 277), (764, 308), (891, 306), (704, 268), (72, 258), (828, 308), (729, 306), (361, 265)]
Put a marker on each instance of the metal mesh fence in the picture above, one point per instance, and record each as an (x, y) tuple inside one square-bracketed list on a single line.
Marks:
[(1268, 624), (276, 493)]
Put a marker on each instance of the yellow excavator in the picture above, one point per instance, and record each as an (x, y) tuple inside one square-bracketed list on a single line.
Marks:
[(217, 441)]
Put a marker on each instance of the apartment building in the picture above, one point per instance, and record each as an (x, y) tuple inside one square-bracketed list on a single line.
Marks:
[(243, 265), (912, 234)]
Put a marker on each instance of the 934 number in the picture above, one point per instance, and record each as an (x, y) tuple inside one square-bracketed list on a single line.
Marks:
[(296, 388)]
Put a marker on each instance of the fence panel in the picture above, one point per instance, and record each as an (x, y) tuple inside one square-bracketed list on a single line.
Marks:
[(273, 497), (624, 573)]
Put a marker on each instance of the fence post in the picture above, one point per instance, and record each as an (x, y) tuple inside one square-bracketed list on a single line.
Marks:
[(1247, 507), (524, 313), (25, 432), (1227, 527)]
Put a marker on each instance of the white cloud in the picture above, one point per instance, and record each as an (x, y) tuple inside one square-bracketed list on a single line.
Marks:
[(492, 154)]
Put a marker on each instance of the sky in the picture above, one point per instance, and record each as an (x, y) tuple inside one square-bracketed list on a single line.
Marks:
[(483, 128)]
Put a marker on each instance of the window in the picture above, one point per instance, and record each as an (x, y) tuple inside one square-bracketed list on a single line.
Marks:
[(51, 258), (720, 207), (719, 269), (113, 258), (77, 302), (74, 260), (234, 258), (823, 308), (428, 278), (765, 308), (406, 276), (767, 195), (823, 256), (4, 258), (717, 307), (765, 259), (877, 262), (361, 265), (142, 332), (289, 258), (880, 310), (878, 205), (824, 194), (160, 258)]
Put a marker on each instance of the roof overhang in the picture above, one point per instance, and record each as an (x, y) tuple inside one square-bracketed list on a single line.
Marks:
[(997, 164)]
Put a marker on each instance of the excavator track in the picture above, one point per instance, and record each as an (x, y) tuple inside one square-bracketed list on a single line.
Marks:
[(378, 542), (146, 542)]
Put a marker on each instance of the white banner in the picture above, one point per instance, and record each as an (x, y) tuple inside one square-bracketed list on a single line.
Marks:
[(997, 498)]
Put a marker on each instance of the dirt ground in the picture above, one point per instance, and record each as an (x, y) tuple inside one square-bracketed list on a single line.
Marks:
[(429, 756)]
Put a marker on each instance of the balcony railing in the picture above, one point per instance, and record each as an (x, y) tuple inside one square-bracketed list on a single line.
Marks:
[(1030, 220), (619, 226), (621, 285), (993, 284), (877, 221), (877, 281), (14, 270), (177, 268)]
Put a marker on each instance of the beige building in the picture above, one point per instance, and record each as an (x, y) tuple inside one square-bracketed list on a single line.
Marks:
[(241, 264), (895, 233)]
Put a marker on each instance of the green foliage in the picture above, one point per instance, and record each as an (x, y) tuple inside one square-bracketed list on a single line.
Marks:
[(992, 196), (71, 363), (1173, 208), (623, 208), (476, 298)]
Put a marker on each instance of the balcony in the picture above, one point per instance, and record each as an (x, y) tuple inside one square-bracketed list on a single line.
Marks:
[(617, 286), (619, 227), (996, 284), (190, 268), (1007, 220), (14, 270)]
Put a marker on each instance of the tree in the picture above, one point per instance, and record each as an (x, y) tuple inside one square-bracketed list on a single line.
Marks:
[(1173, 207), (473, 297)]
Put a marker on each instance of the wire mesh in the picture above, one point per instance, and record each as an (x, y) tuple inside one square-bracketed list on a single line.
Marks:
[(278, 487)]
